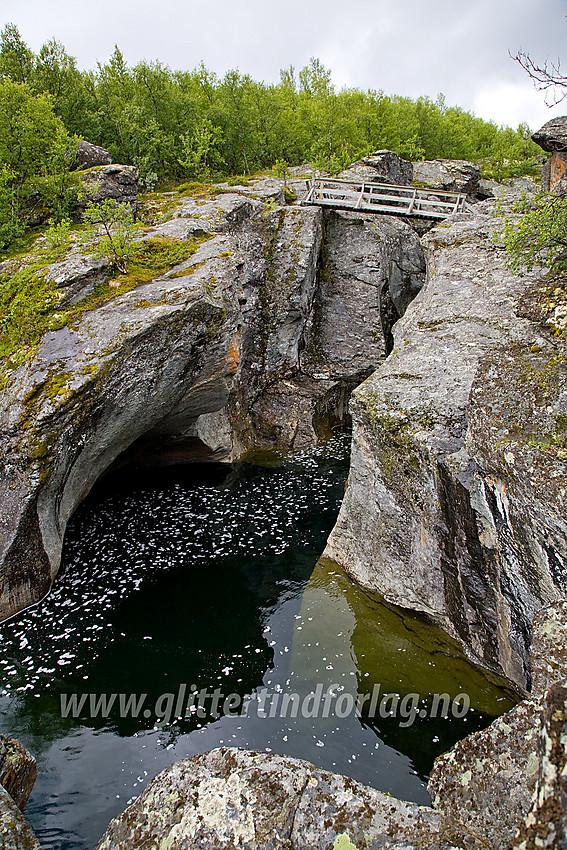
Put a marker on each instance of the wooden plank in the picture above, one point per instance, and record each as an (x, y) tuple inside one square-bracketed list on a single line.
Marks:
[(412, 205), (384, 198), (369, 185)]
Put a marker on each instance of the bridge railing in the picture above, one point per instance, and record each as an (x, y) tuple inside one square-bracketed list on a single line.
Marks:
[(383, 198)]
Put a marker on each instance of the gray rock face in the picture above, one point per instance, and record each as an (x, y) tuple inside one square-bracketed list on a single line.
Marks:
[(546, 823), (18, 770), (455, 499), (373, 267), (118, 182), (502, 787), (380, 167), (233, 798), (553, 135), (486, 189), (553, 176), (89, 156), (203, 363), (78, 276), (451, 175)]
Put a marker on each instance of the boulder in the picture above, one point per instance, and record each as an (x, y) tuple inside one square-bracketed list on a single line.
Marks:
[(230, 798), (553, 135), (117, 182), (18, 770), (450, 175), (380, 167), (487, 189), (522, 184), (454, 503), (89, 156), (553, 174)]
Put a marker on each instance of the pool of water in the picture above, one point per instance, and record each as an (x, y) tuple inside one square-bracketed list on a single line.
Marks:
[(192, 612)]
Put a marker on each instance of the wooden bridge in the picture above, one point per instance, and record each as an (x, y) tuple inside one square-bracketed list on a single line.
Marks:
[(383, 198)]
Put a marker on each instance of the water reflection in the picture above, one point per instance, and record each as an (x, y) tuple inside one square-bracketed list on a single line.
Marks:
[(204, 576)]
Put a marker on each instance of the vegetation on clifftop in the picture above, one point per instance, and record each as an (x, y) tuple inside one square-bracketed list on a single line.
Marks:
[(178, 125), (29, 304)]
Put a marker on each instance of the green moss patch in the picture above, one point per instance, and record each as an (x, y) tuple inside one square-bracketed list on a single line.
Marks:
[(29, 302)]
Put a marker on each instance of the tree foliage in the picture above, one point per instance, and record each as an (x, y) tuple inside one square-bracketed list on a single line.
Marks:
[(175, 125), (539, 237), (34, 146), (115, 223)]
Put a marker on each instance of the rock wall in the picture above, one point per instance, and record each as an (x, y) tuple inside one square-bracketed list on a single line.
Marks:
[(18, 770), (217, 356), (552, 137), (455, 500), (17, 775)]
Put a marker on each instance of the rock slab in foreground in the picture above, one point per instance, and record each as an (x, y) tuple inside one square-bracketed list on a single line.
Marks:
[(15, 831), (18, 772), (230, 798)]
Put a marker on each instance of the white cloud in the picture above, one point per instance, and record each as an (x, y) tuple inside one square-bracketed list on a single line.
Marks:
[(513, 103), (411, 48)]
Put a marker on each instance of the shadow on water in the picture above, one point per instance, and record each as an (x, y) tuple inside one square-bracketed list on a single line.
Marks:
[(205, 577)]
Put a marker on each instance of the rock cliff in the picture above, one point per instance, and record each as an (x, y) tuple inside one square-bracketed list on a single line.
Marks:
[(255, 340), (455, 499)]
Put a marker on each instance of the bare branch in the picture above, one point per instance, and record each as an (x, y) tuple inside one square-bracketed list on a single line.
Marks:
[(547, 77)]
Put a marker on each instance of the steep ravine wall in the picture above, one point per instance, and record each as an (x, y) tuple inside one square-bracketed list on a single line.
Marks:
[(220, 355), (455, 504)]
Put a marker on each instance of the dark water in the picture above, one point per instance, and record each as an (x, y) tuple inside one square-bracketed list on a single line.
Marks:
[(205, 578)]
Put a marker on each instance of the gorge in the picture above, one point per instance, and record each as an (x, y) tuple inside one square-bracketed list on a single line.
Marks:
[(454, 505)]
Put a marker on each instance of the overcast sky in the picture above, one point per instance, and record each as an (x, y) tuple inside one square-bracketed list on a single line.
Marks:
[(406, 47)]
